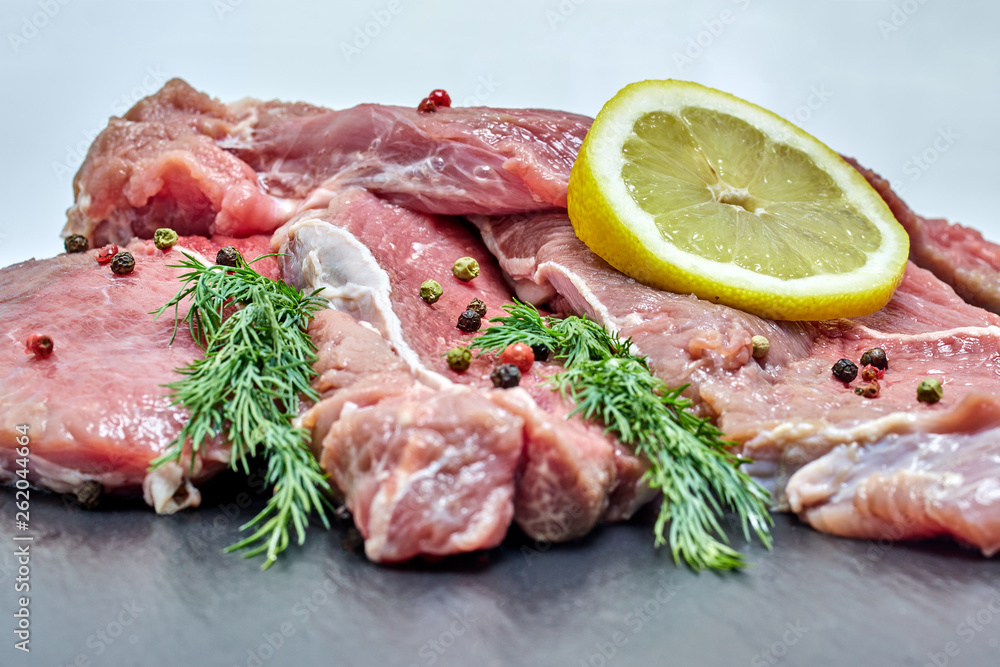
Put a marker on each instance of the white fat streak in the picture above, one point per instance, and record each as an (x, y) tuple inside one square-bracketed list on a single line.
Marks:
[(580, 291), (807, 434), (333, 260), (989, 331)]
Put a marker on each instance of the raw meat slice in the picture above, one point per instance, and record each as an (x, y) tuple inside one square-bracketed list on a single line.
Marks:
[(958, 255), (787, 410), (373, 270), (96, 409), (181, 159), (423, 472)]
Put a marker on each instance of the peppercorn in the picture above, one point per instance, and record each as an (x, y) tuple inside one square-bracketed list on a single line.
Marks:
[(869, 373), (105, 254), (465, 269), (430, 291), (845, 370), (123, 263), (440, 97), (427, 106), (459, 359), (518, 354), (76, 243), (228, 256), (477, 306), (164, 238), (930, 390), (39, 345), (761, 346), (541, 352), (469, 321), (868, 389), (506, 376), (89, 494), (875, 357)]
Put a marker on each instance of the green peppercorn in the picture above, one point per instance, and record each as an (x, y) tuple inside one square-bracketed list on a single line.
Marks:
[(875, 357), (478, 306), (930, 390), (123, 263), (845, 370), (430, 291), (459, 359), (761, 346), (469, 321), (76, 243), (228, 256), (506, 376), (164, 238), (465, 269)]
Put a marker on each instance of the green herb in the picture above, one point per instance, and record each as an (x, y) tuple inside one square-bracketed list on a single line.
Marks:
[(257, 363), (690, 463)]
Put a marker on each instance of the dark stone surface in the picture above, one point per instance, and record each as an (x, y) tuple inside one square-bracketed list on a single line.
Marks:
[(121, 586)]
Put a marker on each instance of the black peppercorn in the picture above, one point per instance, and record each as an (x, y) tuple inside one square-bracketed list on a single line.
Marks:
[(469, 321), (228, 256), (506, 376), (76, 243), (845, 370), (478, 307), (89, 494), (875, 357), (541, 352), (123, 263)]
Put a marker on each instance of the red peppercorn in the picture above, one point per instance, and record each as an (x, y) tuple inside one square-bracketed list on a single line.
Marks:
[(440, 97), (427, 105), (520, 355), (39, 345), (869, 373), (105, 254)]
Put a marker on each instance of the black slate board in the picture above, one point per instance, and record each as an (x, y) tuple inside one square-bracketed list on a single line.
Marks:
[(125, 587)]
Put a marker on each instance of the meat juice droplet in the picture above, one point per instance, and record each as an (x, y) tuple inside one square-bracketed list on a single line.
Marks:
[(481, 172), (437, 163)]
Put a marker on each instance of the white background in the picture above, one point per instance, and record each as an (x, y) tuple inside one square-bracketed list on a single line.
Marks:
[(886, 79)]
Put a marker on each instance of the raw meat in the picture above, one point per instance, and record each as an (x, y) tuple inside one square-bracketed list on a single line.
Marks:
[(423, 472), (96, 408), (184, 160), (788, 410), (570, 471)]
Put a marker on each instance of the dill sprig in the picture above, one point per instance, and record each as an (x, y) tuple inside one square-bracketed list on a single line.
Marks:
[(257, 363), (690, 462)]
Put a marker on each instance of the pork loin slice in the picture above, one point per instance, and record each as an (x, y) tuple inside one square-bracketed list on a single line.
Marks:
[(181, 159), (787, 410), (96, 409), (370, 257), (423, 471)]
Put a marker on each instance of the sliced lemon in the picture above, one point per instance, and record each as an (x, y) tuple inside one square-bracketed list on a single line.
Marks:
[(693, 190)]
